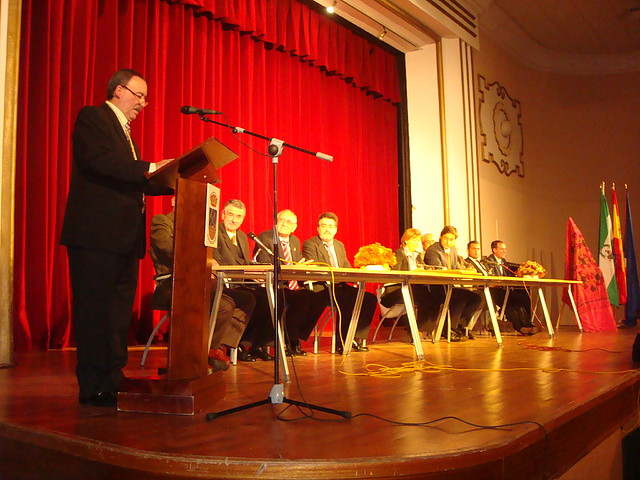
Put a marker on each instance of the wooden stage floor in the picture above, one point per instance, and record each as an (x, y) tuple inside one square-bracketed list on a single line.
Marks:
[(570, 392)]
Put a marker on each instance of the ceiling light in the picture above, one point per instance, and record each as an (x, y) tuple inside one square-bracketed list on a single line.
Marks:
[(332, 8), (383, 33)]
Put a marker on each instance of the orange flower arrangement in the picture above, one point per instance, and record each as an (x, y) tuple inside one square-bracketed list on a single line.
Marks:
[(531, 269), (374, 254)]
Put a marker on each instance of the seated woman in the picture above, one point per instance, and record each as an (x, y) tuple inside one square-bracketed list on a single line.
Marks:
[(410, 257)]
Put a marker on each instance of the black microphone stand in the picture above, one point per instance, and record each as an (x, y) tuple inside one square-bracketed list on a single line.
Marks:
[(276, 395)]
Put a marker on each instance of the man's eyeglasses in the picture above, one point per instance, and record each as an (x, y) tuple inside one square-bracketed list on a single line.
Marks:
[(138, 95), (286, 221)]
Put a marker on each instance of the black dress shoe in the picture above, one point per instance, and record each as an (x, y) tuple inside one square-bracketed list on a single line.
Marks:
[(527, 331), (455, 336), (355, 347), (463, 333), (359, 347), (217, 365), (245, 356), (262, 353), (102, 399), (298, 351)]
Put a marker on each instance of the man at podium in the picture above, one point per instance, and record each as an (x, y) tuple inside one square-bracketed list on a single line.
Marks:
[(104, 232)]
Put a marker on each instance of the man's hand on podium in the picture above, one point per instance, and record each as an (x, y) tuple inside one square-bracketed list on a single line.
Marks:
[(162, 163)]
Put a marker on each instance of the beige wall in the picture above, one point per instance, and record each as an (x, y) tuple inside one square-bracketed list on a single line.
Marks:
[(578, 131)]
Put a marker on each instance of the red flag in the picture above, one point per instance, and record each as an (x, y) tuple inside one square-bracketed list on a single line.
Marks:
[(591, 296), (618, 252)]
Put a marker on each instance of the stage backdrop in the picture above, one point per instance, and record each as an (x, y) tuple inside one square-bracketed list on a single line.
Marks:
[(275, 67)]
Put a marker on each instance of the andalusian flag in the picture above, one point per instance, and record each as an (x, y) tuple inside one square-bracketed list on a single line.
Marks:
[(632, 308), (590, 296), (605, 251), (618, 253)]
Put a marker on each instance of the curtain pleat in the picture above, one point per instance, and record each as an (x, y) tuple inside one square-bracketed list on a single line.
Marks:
[(343, 53), (262, 62)]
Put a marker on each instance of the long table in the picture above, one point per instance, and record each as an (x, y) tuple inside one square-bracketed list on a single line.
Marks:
[(362, 276)]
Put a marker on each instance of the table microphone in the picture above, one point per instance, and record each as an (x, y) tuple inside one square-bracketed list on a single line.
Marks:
[(187, 110), (486, 261), (253, 237)]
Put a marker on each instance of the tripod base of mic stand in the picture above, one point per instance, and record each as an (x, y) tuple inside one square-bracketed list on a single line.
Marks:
[(276, 397)]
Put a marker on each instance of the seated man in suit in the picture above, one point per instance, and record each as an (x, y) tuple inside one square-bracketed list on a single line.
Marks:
[(474, 258), (518, 309), (233, 249), (325, 248), (463, 303), (475, 262), (304, 306), (231, 320), (427, 241), (410, 257)]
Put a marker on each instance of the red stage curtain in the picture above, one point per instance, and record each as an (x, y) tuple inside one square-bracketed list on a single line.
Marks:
[(271, 81)]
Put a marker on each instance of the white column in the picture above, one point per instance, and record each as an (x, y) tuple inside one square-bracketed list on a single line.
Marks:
[(442, 139), (10, 11), (425, 148)]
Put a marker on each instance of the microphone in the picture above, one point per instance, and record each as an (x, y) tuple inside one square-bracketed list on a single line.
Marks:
[(199, 111), (434, 267), (253, 237), (486, 261), (324, 156)]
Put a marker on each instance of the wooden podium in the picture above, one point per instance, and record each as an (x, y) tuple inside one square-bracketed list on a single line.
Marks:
[(188, 387)]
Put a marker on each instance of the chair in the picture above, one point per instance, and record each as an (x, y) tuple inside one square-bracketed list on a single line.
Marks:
[(327, 316), (395, 311), (158, 279), (233, 351), (163, 307)]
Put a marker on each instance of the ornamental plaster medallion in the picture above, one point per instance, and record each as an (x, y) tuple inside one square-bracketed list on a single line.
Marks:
[(499, 120)]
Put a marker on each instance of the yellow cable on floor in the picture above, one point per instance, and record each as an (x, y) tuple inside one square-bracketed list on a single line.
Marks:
[(384, 371)]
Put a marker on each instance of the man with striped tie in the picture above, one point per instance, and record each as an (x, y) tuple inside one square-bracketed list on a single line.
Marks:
[(325, 248), (104, 232), (304, 306)]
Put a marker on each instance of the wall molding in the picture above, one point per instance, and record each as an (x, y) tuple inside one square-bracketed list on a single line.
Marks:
[(500, 128)]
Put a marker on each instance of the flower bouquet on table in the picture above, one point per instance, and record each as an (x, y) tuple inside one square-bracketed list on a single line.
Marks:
[(375, 254), (531, 269)]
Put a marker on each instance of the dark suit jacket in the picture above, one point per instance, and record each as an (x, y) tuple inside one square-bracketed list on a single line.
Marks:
[(402, 261), (314, 248), (477, 264), (229, 254), (506, 267), (435, 255), (105, 208), (161, 251), (267, 238)]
